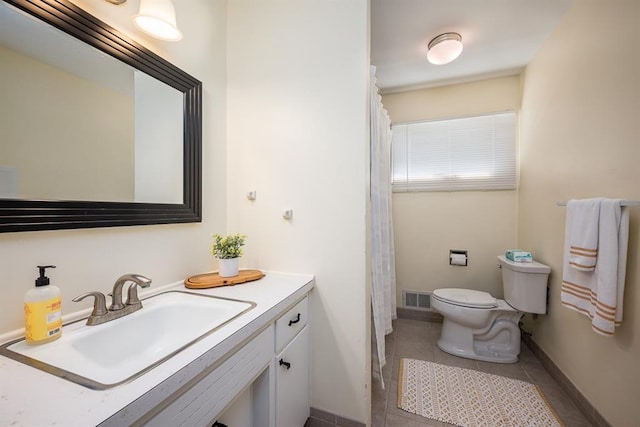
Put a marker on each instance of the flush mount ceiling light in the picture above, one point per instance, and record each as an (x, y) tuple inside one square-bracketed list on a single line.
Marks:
[(444, 48), (158, 19)]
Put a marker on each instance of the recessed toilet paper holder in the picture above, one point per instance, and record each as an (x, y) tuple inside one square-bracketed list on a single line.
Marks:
[(458, 258)]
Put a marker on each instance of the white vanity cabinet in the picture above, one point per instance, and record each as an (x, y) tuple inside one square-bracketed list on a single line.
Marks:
[(292, 366)]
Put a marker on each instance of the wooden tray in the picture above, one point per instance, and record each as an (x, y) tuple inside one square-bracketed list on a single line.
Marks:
[(213, 280)]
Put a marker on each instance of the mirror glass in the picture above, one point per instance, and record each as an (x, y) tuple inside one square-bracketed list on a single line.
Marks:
[(78, 124)]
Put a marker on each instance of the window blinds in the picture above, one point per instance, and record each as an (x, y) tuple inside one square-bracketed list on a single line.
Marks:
[(471, 153)]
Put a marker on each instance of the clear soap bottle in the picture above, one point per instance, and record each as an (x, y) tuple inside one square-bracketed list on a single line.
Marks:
[(42, 311)]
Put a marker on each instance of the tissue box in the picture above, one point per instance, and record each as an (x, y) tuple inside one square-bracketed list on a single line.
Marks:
[(517, 255)]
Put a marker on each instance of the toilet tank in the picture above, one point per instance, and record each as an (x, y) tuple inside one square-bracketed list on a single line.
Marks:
[(525, 285)]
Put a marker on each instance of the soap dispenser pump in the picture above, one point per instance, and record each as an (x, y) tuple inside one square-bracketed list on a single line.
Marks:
[(42, 310)]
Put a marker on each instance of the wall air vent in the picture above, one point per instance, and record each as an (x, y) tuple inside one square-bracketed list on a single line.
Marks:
[(416, 300)]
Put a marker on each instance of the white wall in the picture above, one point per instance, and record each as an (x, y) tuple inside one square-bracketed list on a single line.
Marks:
[(297, 135), (581, 138), (428, 224), (94, 259)]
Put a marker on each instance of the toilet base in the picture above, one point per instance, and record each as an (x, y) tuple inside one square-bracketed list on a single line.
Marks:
[(498, 344), (485, 356)]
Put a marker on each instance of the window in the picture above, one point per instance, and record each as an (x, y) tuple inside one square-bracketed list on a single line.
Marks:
[(471, 153)]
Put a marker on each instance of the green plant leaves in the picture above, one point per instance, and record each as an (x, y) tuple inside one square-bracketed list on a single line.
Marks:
[(228, 246)]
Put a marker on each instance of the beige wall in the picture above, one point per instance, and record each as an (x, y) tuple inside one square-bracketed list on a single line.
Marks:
[(297, 126), (34, 92), (580, 127), (427, 225), (94, 259)]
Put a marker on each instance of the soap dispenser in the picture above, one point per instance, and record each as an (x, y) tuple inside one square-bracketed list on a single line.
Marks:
[(42, 311)]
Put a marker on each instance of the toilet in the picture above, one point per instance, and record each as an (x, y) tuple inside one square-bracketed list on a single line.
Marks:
[(479, 326)]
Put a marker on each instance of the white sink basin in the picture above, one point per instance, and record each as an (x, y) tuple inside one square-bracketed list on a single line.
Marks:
[(118, 351)]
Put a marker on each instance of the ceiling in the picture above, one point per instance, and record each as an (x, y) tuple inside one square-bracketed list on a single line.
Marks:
[(500, 37)]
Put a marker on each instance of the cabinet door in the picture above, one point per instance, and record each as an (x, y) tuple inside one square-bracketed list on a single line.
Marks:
[(292, 382)]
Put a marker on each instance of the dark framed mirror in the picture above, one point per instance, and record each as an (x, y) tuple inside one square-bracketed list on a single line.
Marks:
[(148, 200)]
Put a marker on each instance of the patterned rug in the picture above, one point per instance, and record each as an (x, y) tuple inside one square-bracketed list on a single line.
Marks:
[(469, 398)]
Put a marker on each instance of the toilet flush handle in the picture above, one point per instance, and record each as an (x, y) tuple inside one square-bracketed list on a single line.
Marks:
[(499, 266)]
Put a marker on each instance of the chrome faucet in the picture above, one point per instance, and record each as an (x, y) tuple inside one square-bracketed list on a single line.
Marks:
[(100, 314)]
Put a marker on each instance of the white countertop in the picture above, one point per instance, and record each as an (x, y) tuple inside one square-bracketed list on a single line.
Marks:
[(30, 397)]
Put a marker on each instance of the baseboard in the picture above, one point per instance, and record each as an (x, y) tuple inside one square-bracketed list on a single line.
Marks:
[(590, 413), (320, 418)]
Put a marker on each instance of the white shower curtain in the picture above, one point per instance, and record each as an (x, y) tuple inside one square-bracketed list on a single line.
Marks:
[(383, 272)]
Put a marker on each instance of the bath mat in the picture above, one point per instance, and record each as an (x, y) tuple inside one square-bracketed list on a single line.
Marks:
[(469, 398)]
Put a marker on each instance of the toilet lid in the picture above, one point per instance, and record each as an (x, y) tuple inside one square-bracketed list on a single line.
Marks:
[(466, 297)]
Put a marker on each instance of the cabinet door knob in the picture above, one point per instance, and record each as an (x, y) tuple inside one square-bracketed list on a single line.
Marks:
[(291, 322), (286, 364)]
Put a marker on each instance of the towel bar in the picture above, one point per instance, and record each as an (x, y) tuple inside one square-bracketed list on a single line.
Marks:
[(623, 203)]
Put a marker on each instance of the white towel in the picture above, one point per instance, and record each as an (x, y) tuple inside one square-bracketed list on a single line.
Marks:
[(599, 294), (584, 217)]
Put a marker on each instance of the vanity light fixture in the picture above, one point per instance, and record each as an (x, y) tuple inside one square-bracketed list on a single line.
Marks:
[(158, 19), (444, 48)]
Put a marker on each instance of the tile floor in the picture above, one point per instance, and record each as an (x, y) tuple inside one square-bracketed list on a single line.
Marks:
[(417, 340)]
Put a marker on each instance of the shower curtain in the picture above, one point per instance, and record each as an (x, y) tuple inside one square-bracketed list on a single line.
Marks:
[(383, 273)]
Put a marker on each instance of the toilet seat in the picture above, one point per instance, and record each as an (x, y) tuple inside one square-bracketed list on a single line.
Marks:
[(466, 298)]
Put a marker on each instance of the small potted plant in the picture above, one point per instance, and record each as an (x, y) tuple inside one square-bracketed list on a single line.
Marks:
[(228, 250)]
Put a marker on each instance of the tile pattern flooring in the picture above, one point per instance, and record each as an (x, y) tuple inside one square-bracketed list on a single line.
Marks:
[(417, 339)]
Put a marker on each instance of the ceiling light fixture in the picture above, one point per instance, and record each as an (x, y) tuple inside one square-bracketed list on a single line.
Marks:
[(158, 19), (444, 48)]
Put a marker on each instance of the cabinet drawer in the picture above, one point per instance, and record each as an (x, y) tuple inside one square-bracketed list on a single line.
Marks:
[(290, 323)]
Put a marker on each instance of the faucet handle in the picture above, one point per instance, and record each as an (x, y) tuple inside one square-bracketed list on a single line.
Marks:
[(132, 292), (99, 305), (116, 298)]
